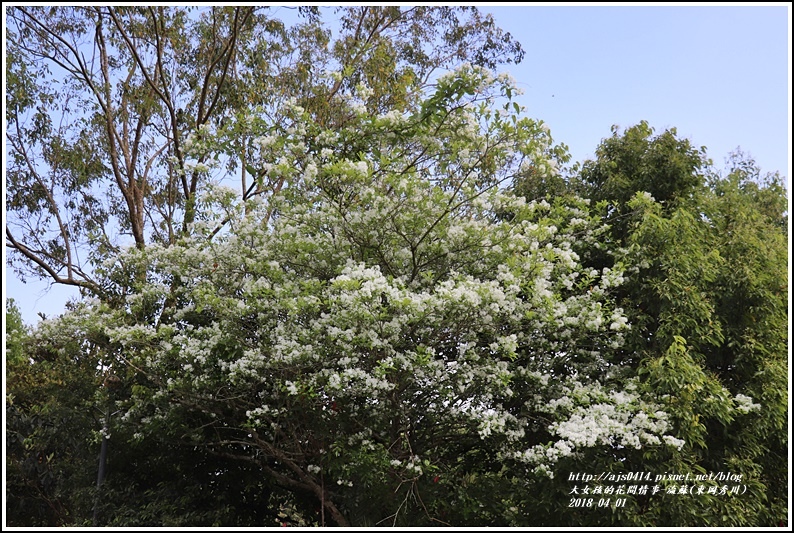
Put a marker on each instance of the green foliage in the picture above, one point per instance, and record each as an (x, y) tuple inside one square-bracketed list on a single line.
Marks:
[(15, 334), (664, 166), (50, 460), (405, 311), (706, 258), (158, 80)]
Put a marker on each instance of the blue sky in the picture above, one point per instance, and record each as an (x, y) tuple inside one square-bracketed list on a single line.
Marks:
[(720, 75)]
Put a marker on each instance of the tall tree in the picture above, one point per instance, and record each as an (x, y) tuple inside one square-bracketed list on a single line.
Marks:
[(138, 91), (103, 103)]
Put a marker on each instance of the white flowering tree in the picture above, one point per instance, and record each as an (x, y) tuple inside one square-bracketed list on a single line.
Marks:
[(389, 335)]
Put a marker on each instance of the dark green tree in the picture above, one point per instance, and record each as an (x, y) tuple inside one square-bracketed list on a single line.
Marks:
[(706, 297), (50, 423)]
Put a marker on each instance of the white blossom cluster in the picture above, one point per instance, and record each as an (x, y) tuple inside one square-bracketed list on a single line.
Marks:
[(745, 404), (594, 417)]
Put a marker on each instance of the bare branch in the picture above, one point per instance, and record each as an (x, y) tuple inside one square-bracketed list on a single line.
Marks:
[(36, 258)]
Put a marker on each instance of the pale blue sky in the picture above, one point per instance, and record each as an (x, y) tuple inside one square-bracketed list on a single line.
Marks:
[(720, 75)]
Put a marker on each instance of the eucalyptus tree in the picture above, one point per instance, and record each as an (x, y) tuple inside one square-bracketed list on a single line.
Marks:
[(101, 101)]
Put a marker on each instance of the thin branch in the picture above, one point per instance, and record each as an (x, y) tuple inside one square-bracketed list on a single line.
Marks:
[(133, 49), (30, 254)]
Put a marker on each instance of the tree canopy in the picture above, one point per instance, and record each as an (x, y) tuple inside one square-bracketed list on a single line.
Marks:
[(345, 280), (134, 87)]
